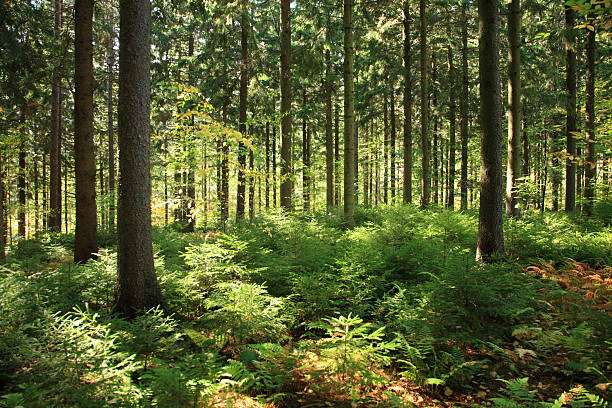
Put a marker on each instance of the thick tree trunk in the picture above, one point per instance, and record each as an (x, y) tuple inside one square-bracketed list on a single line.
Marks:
[(349, 111), (55, 173), (514, 108), (137, 286), (407, 104), (242, 126), (490, 228), (570, 109), (590, 174), (85, 245), (463, 107), (452, 125), (286, 187), (425, 180)]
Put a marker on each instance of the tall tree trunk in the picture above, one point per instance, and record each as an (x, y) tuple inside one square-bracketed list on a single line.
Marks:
[(463, 106), (452, 125), (111, 132), (385, 148), (425, 182), (2, 210), (191, 160), (274, 173), (392, 141), (251, 183), (242, 126), (526, 169), (349, 111), (490, 227), (337, 193), (590, 174), (434, 106), (514, 108), (286, 188), (21, 187), (55, 173), (267, 165), (407, 104), (225, 169), (570, 110), (137, 286), (305, 159), (85, 245), (329, 137)]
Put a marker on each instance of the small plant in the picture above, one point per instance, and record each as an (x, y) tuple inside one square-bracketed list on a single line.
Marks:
[(246, 313)]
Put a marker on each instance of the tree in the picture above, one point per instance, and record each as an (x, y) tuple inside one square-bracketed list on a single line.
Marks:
[(242, 125), (137, 286), (85, 245), (514, 107), (425, 183), (349, 111), (329, 137), (55, 170), (463, 106), (570, 110), (490, 227), (407, 103), (452, 113), (590, 173), (286, 187)]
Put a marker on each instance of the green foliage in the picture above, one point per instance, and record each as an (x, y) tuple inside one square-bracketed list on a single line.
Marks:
[(246, 313)]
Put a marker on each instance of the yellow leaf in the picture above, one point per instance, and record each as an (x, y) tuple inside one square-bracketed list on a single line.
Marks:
[(448, 392)]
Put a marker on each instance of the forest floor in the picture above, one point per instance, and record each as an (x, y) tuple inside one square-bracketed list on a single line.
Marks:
[(306, 311)]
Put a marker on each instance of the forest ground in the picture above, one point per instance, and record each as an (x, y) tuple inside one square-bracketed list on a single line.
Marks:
[(306, 311)]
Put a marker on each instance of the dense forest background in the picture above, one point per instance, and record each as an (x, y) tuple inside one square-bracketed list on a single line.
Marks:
[(304, 203)]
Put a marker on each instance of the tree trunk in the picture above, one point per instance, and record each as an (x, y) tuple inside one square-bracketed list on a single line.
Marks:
[(349, 111), (111, 133), (425, 182), (2, 210), (514, 108), (463, 106), (570, 109), (267, 165), (85, 245), (274, 174), (452, 125), (385, 148), (225, 170), (305, 159), (251, 183), (590, 174), (490, 228), (329, 138), (434, 106), (286, 188), (21, 187), (55, 173), (392, 142), (242, 126), (407, 103), (337, 193), (137, 286)]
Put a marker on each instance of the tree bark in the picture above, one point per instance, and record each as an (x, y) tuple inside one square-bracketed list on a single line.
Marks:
[(85, 245), (21, 186), (349, 111), (267, 165), (570, 109), (337, 193), (329, 137), (392, 141), (407, 104), (452, 125), (490, 228), (242, 126), (425, 180), (463, 107), (590, 174), (514, 108), (55, 172), (385, 148), (111, 132), (2, 210), (305, 159), (137, 286), (286, 187)]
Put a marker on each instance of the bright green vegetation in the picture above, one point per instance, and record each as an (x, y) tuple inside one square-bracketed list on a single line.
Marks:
[(287, 311)]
